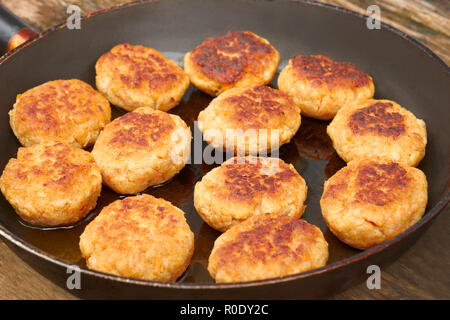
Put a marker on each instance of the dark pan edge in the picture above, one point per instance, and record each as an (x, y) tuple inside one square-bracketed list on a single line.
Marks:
[(430, 215)]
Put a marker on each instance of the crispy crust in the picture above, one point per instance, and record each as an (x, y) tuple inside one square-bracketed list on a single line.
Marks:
[(239, 58), (141, 237), (321, 69), (378, 118), (137, 76), (371, 201), (144, 147), (51, 184), (256, 110), (69, 111), (320, 86), (378, 128), (267, 246), (242, 187), (141, 130)]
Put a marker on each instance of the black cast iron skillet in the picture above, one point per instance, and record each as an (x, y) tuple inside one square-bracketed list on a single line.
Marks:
[(403, 69)]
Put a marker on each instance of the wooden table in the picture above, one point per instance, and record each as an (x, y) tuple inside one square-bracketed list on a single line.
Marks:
[(421, 273)]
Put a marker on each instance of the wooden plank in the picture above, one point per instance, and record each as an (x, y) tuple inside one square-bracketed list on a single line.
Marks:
[(427, 21)]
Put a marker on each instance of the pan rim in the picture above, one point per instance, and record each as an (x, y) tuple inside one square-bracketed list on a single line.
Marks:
[(428, 216)]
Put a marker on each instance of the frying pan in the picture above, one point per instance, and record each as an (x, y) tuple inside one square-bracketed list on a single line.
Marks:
[(403, 70)]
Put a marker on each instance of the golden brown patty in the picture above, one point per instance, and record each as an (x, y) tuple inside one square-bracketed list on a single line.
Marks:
[(140, 237), (321, 86), (267, 246), (242, 187), (142, 148), (51, 184), (137, 76), (250, 120), (378, 128), (62, 110), (239, 58), (371, 201)]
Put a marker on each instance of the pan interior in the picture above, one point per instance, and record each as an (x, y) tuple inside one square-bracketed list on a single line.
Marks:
[(402, 72)]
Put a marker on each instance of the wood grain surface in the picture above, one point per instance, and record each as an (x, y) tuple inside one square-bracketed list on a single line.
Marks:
[(421, 273), (427, 21)]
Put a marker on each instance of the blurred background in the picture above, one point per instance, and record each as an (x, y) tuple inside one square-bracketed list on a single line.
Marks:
[(426, 20)]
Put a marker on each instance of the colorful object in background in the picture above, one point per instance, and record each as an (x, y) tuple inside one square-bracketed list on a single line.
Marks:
[(13, 31)]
